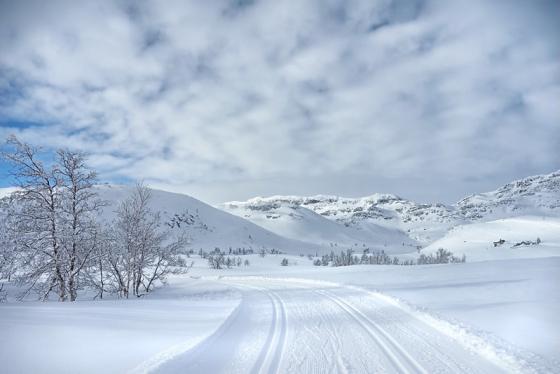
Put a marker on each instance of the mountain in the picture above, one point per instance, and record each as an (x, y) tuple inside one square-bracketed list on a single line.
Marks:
[(536, 195), (293, 218), (295, 224), (376, 219), (206, 226)]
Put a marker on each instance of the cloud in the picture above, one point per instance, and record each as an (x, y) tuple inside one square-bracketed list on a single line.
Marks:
[(206, 96)]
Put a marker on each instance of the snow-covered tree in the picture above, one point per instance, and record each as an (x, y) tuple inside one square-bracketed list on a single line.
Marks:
[(37, 220), (79, 209), (51, 218), (141, 252)]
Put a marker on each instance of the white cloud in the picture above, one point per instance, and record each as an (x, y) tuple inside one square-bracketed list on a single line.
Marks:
[(196, 96)]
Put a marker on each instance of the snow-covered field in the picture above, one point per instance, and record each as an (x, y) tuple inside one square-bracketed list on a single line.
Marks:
[(110, 336), (492, 316), (476, 240)]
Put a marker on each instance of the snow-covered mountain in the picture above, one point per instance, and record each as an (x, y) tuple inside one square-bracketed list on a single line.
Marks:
[(539, 195), (292, 218), (6, 191), (206, 226), (370, 219), (297, 224), (374, 218)]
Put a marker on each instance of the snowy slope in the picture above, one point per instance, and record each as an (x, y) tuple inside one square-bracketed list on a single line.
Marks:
[(476, 240), (206, 226), (378, 219), (536, 195), (423, 223), (290, 219), (297, 224), (6, 191)]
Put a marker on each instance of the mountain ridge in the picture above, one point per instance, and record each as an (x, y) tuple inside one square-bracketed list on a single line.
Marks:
[(538, 194)]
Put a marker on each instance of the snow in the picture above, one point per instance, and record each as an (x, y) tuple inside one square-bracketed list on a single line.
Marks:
[(379, 216), (299, 223), (111, 336), (476, 240), (535, 195), (206, 226), (499, 312), (6, 191), (423, 223), (513, 302)]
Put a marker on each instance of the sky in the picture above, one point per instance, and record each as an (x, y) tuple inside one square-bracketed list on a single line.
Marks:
[(225, 100)]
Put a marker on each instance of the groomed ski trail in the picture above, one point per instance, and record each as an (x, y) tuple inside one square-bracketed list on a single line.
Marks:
[(290, 326)]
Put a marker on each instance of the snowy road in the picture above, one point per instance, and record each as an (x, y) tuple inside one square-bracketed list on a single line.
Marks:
[(290, 326)]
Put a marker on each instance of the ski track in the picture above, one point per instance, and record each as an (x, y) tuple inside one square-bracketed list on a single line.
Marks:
[(399, 357), (271, 354), (287, 326)]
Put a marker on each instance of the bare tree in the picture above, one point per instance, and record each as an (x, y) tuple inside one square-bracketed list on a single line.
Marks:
[(51, 239), (97, 274), (8, 242), (143, 252), (80, 206), (8, 247), (39, 203), (53, 218)]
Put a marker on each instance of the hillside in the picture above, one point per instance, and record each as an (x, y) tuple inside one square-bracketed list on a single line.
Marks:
[(206, 226), (372, 219), (508, 238), (537, 195), (320, 223), (295, 221), (377, 218)]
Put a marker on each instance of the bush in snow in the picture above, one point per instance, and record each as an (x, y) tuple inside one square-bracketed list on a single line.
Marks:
[(216, 261), (442, 256), (284, 262), (368, 257)]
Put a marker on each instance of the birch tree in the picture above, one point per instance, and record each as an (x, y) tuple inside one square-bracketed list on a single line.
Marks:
[(79, 209), (53, 216), (37, 220), (143, 252)]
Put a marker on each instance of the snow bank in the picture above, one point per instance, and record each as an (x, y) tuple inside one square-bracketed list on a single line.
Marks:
[(111, 336)]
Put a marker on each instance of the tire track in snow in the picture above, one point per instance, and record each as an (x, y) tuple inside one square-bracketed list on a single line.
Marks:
[(402, 361)]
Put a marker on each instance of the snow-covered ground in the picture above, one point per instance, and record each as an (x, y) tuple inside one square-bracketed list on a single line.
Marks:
[(515, 302), (111, 336), (491, 316), (476, 240)]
